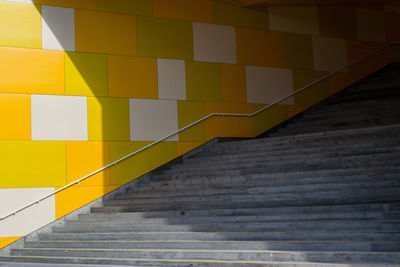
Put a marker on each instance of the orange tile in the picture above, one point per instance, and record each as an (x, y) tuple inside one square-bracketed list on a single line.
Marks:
[(233, 83), (15, 117), (84, 158), (86, 4), (31, 71), (359, 49), (229, 126), (105, 32), (184, 147), (77, 196), (132, 77), (392, 22), (340, 81), (193, 10), (259, 47)]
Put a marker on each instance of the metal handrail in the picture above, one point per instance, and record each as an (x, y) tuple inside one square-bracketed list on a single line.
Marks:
[(198, 121)]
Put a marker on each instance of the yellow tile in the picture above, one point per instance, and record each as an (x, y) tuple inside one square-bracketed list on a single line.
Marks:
[(86, 4), (5, 241), (298, 51), (31, 71), (15, 117), (86, 74), (141, 163), (233, 83), (189, 112), (132, 77), (294, 110), (108, 119), (259, 47), (20, 25), (313, 94), (269, 118), (184, 147), (294, 19), (32, 164), (164, 38), (229, 126), (203, 81), (136, 7), (241, 17), (193, 10), (105, 33), (84, 158), (77, 196), (331, 26)]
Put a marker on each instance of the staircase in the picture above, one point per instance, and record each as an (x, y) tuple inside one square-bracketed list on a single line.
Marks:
[(322, 189)]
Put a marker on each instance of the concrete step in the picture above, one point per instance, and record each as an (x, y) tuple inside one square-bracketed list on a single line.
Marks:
[(386, 208), (264, 188), (228, 255), (181, 262), (345, 245), (224, 236)]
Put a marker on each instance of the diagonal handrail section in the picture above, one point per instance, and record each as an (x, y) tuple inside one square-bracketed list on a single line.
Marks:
[(201, 120)]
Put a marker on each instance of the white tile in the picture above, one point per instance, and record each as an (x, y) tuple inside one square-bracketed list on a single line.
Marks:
[(329, 54), (152, 119), (58, 28), (31, 218), (267, 85), (214, 43), (59, 117), (171, 79)]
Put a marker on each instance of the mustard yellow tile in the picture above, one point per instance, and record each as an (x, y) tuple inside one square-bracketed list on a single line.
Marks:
[(136, 7), (229, 126), (86, 4), (203, 81), (233, 83), (189, 112), (294, 110), (184, 147), (296, 19), (108, 118), (15, 117), (105, 32), (164, 38), (32, 164), (313, 94), (141, 163), (5, 241), (259, 47), (20, 25), (298, 51), (193, 10), (84, 158), (132, 77), (269, 118), (31, 71), (86, 74), (241, 17), (78, 196), (331, 26)]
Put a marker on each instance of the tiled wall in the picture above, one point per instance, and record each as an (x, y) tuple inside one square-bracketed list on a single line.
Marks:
[(83, 83)]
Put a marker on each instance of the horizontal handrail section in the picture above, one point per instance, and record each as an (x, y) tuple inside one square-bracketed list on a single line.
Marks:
[(197, 122)]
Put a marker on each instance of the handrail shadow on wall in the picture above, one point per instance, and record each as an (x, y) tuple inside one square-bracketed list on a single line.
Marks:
[(201, 120)]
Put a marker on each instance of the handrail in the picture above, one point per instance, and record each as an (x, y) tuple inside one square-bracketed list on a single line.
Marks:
[(198, 121)]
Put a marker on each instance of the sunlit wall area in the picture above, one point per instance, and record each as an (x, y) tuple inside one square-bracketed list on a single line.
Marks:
[(83, 83)]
